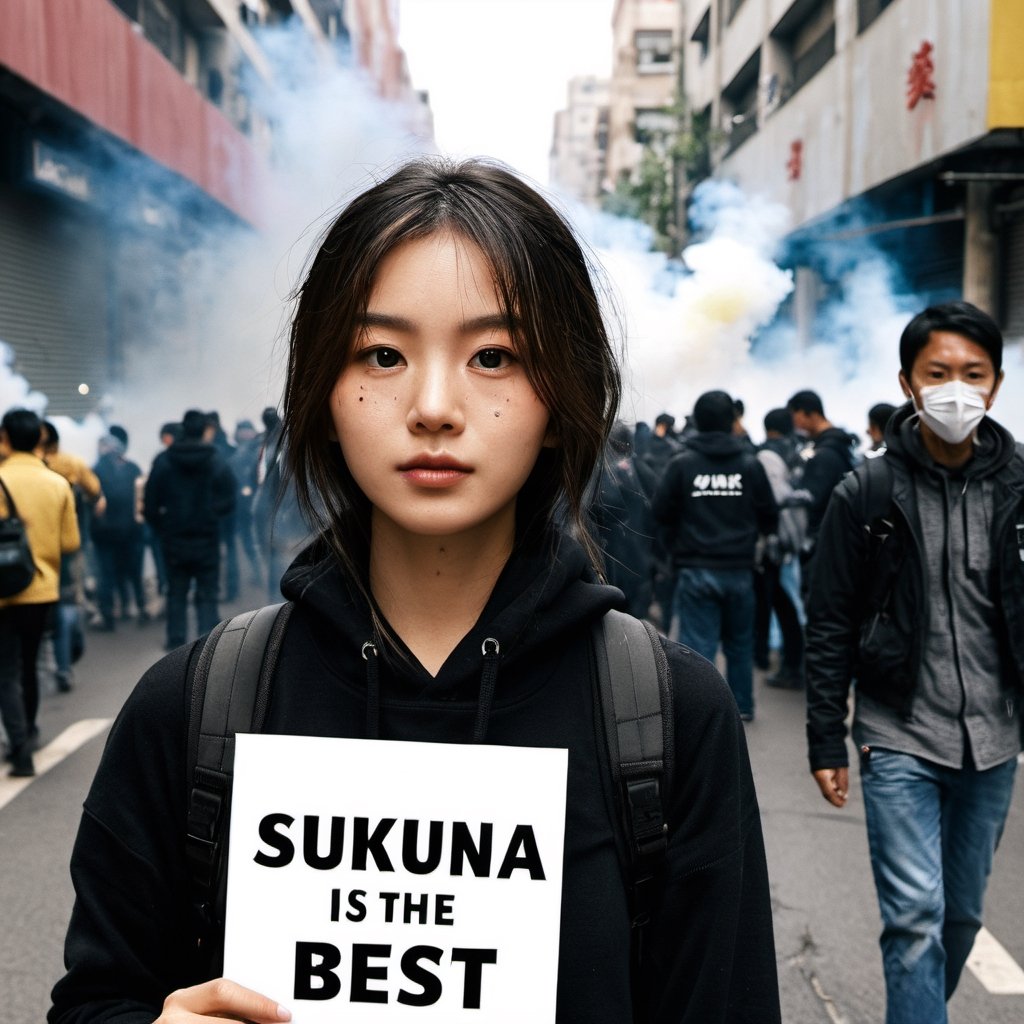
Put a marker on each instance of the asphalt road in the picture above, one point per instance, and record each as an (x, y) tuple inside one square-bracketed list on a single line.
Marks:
[(826, 920)]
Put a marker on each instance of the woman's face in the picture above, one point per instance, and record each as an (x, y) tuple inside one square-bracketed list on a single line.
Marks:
[(436, 418)]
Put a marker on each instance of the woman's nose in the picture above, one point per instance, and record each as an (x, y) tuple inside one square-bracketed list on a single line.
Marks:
[(437, 403)]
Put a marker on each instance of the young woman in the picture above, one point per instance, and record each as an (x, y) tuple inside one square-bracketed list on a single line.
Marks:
[(450, 389)]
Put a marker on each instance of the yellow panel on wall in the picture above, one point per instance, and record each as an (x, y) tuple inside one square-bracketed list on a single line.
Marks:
[(1006, 66)]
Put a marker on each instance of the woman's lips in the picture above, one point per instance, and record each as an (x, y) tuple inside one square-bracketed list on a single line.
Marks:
[(434, 471)]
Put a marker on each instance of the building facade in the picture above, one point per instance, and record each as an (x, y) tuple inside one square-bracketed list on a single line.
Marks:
[(127, 129), (889, 122), (643, 89), (580, 146)]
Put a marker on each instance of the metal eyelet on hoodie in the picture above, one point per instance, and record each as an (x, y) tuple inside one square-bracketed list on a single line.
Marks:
[(491, 651), (372, 691)]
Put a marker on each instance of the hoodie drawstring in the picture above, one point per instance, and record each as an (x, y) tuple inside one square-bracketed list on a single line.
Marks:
[(491, 650), (369, 653)]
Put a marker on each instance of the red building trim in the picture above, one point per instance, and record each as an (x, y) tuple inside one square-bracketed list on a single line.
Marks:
[(87, 55)]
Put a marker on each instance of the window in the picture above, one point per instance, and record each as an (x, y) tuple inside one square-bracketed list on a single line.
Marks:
[(739, 103), (650, 125), (215, 86), (868, 10), (702, 34), (805, 40), (159, 28), (249, 12), (129, 7), (730, 7), (654, 51)]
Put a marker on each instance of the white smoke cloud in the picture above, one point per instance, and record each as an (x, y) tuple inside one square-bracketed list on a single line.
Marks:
[(697, 336), (225, 349), (15, 390)]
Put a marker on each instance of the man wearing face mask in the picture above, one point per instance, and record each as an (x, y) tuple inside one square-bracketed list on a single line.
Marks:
[(918, 595)]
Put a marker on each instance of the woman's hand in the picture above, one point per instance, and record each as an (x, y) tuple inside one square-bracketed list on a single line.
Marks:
[(220, 999)]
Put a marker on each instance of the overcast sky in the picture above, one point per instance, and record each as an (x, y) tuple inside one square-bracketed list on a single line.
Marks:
[(497, 70)]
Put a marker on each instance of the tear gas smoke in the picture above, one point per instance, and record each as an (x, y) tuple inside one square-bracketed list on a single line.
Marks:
[(76, 437), (696, 336), (214, 337), (224, 349)]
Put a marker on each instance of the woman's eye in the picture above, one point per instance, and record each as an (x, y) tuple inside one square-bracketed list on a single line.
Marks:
[(492, 358), (383, 358)]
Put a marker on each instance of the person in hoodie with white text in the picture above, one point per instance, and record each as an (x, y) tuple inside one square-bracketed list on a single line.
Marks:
[(716, 501)]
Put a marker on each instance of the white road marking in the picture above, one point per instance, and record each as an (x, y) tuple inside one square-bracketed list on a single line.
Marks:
[(53, 753), (990, 963)]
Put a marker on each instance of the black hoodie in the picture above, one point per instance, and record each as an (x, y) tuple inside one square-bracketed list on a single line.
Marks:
[(714, 501), (709, 955), (829, 459), (189, 490)]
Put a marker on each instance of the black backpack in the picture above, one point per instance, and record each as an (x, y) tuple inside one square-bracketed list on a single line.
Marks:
[(17, 568), (231, 687)]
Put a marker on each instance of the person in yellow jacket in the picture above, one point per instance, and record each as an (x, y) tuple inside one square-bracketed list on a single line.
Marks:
[(46, 506)]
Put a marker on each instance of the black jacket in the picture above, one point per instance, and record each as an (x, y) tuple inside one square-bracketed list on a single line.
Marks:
[(868, 608), (829, 460), (189, 490), (714, 500), (710, 955)]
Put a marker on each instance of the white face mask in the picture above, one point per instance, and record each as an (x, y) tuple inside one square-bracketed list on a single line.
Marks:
[(952, 410)]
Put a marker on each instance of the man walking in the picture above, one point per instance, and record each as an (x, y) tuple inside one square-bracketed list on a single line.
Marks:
[(917, 593), (46, 506), (714, 500), (117, 533), (828, 459), (189, 491)]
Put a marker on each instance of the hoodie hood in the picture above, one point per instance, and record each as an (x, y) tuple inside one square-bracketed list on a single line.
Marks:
[(841, 440), (191, 456), (546, 590), (716, 444), (994, 445)]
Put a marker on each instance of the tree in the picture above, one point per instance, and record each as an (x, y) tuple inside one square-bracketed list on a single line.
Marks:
[(670, 164)]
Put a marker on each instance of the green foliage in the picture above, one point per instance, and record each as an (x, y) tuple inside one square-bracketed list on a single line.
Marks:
[(670, 162)]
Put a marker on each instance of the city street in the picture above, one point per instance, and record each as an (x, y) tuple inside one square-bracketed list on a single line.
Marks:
[(825, 914)]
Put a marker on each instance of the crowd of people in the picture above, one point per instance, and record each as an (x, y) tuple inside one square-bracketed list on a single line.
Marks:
[(711, 535), (443, 448), (113, 544), (709, 568)]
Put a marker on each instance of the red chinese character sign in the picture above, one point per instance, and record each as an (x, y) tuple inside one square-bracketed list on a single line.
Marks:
[(921, 76), (795, 163)]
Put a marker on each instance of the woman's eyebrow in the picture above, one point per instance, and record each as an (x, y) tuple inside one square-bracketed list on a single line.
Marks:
[(475, 325), (388, 320), (490, 322)]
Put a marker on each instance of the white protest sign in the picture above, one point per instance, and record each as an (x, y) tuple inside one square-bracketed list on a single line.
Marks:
[(373, 880)]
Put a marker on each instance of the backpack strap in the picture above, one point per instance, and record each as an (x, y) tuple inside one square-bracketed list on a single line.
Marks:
[(635, 704), (876, 482), (230, 693)]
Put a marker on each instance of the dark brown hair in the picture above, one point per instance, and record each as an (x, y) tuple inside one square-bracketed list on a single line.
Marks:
[(961, 318), (543, 281)]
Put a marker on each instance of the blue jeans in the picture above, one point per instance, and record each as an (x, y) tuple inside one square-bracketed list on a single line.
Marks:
[(932, 832), (715, 606)]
